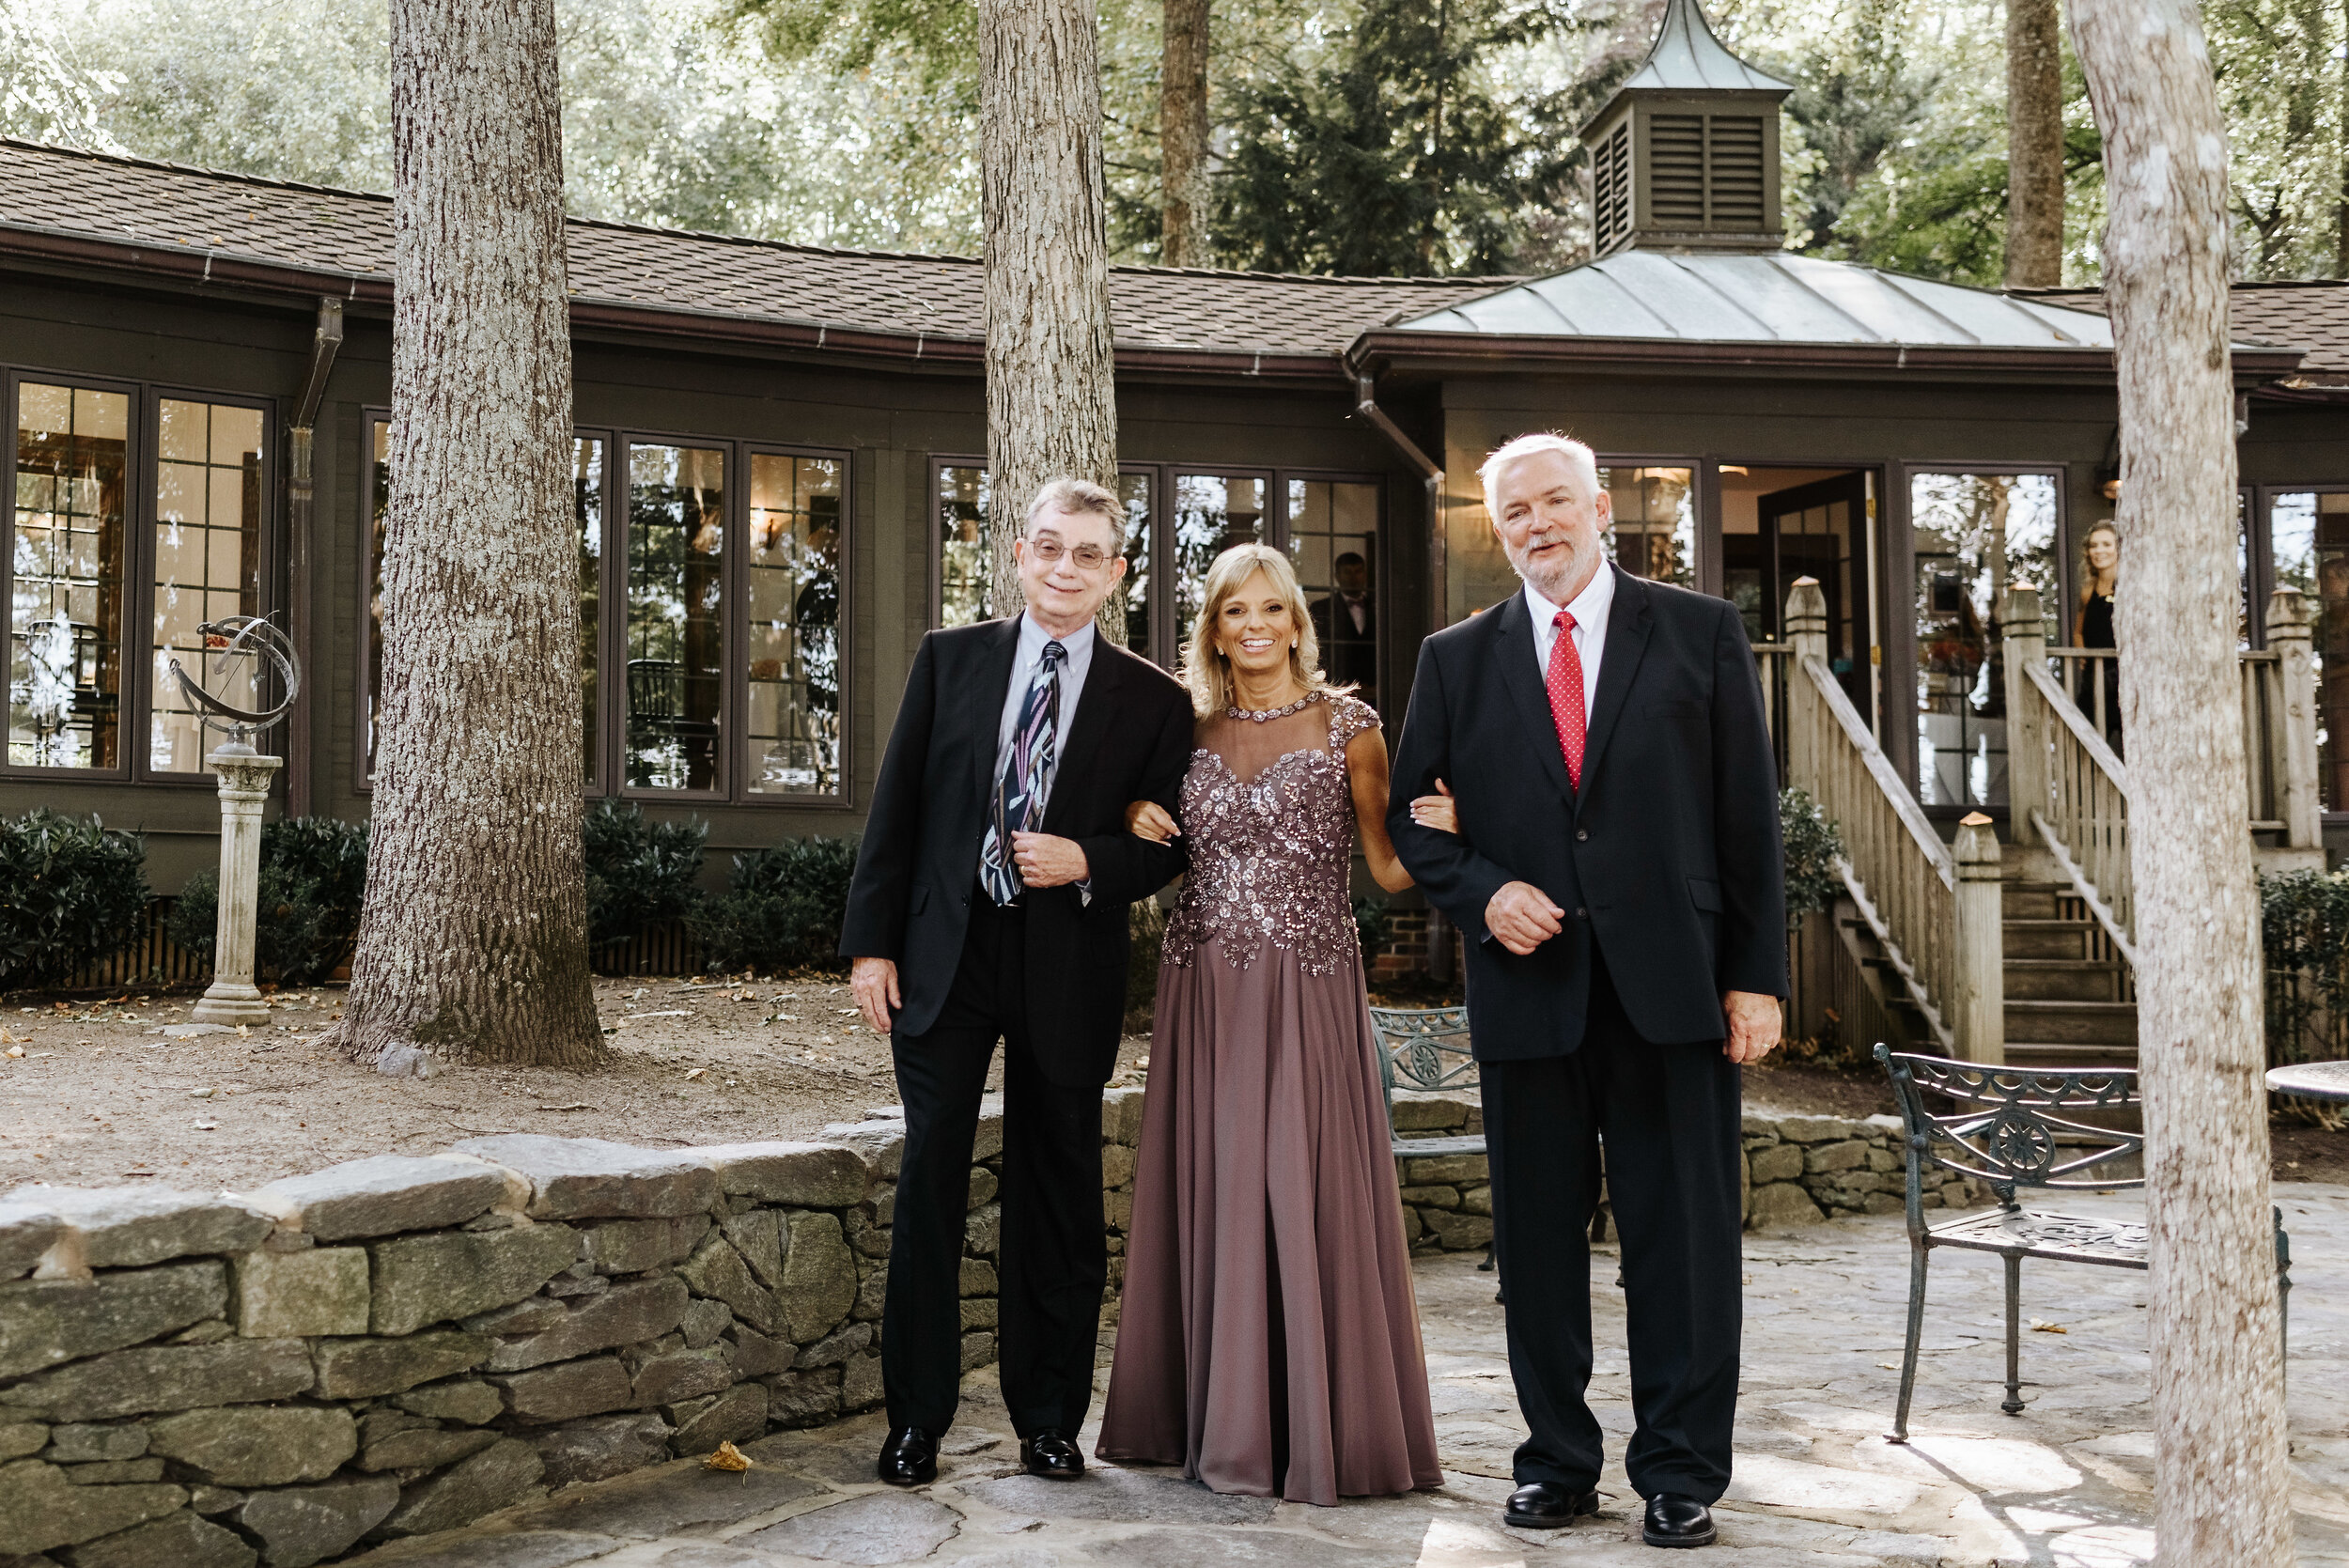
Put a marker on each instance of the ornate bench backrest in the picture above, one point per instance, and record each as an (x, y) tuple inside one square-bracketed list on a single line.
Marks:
[(1423, 1048), (2008, 1125)]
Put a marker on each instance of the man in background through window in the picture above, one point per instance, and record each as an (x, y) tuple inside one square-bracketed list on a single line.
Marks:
[(1347, 623)]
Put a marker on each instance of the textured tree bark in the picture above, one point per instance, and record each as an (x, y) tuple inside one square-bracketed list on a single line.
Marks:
[(474, 941), (1051, 391), (2219, 1483), (2034, 145), (1183, 133)]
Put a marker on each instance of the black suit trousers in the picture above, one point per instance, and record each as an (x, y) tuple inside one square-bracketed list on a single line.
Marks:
[(1669, 1116), (1051, 1261)]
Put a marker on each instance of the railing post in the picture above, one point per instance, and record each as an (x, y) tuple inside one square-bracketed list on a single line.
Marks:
[(2294, 720), (1979, 1025), (1806, 636), (2025, 634)]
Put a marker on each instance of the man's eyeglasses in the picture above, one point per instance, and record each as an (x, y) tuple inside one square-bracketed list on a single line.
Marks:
[(1050, 549)]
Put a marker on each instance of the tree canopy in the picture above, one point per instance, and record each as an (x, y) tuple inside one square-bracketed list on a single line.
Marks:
[(1380, 136)]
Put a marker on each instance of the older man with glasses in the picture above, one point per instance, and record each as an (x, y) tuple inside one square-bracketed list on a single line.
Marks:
[(990, 903)]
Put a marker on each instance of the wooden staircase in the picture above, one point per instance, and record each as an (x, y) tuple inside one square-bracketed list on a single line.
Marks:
[(2070, 1001)]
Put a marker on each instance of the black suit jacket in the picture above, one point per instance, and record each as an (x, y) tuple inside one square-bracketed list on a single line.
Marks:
[(1668, 858), (917, 869)]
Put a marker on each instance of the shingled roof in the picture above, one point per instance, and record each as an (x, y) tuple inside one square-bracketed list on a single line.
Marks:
[(237, 229), (2311, 317)]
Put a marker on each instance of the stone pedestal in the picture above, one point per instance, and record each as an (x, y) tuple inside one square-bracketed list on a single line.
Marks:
[(244, 780)]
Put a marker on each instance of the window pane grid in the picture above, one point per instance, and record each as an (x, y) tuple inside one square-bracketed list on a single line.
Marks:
[(66, 581), (676, 632), (791, 742), (1975, 535), (1654, 534), (1212, 513), (1333, 541), (208, 534)]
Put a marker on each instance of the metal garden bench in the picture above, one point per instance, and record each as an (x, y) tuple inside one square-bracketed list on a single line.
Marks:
[(1426, 1048), (2019, 1127)]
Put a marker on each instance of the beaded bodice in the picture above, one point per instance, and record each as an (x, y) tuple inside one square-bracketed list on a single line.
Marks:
[(1269, 819)]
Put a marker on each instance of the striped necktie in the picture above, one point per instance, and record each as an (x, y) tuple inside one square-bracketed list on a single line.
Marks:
[(1026, 782)]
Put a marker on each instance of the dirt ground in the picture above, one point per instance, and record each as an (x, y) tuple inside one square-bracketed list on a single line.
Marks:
[(92, 1093), (99, 1096)]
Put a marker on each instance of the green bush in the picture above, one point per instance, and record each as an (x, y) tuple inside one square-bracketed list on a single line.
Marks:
[(71, 891), (2304, 938), (641, 873), (781, 909), (313, 884), (1374, 923), (1813, 846)]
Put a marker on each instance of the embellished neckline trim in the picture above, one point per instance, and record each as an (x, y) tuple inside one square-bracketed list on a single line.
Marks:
[(1266, 715)]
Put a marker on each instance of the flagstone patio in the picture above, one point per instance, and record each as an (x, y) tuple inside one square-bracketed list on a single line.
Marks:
[(2067, 1483)]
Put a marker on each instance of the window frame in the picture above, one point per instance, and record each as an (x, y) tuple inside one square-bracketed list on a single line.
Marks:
[(2262, 563), (611, 631), (140, 511), (268, 601)]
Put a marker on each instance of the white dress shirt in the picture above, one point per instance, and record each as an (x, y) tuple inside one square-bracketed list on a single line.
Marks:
[(1589, 609)]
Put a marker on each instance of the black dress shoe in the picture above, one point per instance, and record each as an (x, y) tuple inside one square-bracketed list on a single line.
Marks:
[(909, 1458), (1676, 1521), (1547, 1505), (1049, 1454)]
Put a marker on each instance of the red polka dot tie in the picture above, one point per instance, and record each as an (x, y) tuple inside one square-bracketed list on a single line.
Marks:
[(1566, 696)]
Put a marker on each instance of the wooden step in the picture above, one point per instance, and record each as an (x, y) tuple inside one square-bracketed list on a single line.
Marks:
[(2029, 900), (2106, 1024), (2046, 939), (2057, 1053), (2060, 980)]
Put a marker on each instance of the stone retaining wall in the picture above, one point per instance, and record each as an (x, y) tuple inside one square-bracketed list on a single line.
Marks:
[(1798, 1170), (404, 1344), (401, 1345)]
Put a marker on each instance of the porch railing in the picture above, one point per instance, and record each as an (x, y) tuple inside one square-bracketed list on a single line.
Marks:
[(1933, 908), (2068, 785)]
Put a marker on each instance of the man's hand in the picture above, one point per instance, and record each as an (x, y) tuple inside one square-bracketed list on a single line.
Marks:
[(1753, 1025), (875, 981), (1048, 861), (1522, 916)]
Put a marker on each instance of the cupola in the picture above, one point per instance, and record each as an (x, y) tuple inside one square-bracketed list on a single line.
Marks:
[(1685, 155)]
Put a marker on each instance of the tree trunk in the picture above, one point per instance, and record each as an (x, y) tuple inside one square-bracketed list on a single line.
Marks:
[(2034, 145), (1051, 391), (2219, 1481), (1183, 134), (474, 942)]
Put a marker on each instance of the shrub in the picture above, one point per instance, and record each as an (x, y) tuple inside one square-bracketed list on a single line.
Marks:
[(641, 875), (71, 893), (1813, 846), (313, 884), (1145, 931), (2304, 938), (1374, 923), (781, 909)]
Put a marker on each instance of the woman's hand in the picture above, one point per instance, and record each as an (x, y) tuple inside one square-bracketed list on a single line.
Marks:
[(1437, 811), (1150, 820)]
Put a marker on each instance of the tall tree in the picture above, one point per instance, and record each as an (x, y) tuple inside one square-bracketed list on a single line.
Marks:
[(474, 941), (2220, 1493), (1183, 134), (1051, 390), (2034, 145)]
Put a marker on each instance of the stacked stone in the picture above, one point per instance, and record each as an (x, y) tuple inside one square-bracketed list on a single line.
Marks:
[(401, 1345), (1800, 1170), (1447, 1197)]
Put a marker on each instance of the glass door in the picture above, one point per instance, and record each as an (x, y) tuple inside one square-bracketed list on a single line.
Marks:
[(1975, 535)]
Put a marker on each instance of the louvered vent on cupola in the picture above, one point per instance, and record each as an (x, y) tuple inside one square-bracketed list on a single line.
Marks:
[(1684, 156)]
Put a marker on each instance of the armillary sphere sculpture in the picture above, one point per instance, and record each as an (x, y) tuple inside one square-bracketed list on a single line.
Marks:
[(247, 636), (244, 775)]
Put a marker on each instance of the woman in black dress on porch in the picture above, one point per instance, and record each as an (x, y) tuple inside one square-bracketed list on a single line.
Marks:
[(2092, 628)]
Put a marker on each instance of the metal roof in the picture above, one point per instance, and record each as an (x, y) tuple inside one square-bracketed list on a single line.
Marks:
[(1686, 57), (1713, 298)]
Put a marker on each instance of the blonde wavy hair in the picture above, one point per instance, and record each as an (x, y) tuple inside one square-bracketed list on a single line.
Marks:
[(1206, 670)]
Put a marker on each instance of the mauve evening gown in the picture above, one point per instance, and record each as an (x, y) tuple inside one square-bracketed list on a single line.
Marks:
[(1269, 1340)]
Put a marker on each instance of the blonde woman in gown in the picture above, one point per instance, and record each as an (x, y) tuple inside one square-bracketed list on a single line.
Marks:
[(1268, 1340)]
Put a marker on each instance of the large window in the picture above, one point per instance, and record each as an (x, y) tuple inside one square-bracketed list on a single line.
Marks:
[(208, 563), (1655, 522), (1328, 525), (128, 506), (729, 618), (2309, 540), (1974, 536)]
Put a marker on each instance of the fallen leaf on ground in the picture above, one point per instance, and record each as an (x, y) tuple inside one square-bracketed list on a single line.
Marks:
[(2038, 1327), (581, 1106), (727, 1457), (16, 1050), (696, 1072), (244, 1029), (200, 1094), (207, 1126)]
